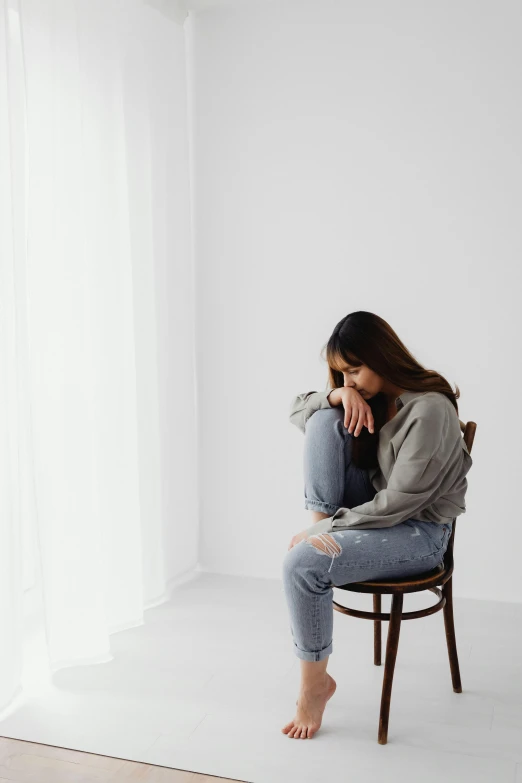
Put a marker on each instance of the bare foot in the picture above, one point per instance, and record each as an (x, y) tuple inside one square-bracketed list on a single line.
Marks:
[(310, 708)]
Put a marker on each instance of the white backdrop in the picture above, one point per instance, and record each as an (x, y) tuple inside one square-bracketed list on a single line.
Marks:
[(355, 156)]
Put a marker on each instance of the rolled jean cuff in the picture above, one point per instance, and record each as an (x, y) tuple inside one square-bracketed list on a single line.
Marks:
[(318, 505), (305, 655)]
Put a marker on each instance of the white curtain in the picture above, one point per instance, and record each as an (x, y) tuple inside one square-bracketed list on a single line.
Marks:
[(98, 481)]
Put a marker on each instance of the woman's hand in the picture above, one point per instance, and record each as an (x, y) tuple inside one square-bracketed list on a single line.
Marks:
[(297, 538), (357, 412)]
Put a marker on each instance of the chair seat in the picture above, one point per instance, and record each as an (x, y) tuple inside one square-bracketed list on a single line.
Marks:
[(409, 584)]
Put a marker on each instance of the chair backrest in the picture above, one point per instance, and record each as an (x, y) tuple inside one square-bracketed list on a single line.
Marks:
[(468, 429)]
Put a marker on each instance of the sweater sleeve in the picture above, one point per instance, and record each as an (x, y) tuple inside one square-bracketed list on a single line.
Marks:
[(304, 405), (413, 484)]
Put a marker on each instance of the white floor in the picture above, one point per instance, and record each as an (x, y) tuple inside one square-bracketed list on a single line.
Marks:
[(210, 679)]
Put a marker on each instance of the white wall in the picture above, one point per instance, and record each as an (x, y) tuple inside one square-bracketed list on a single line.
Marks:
[(354, 156)]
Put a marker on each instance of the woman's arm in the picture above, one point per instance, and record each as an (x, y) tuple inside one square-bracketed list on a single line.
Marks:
[(305, 405)]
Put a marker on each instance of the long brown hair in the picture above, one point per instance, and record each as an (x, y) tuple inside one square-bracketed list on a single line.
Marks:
[(365, 338)]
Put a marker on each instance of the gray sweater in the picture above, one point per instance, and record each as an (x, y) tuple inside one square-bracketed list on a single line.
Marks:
[(423, 462)]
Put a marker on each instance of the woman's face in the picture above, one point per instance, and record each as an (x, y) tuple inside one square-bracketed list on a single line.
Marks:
[(364, 380)]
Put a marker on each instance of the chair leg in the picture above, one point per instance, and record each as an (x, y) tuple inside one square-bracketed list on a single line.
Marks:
[(377, 630), (392, 645), (449, 625)]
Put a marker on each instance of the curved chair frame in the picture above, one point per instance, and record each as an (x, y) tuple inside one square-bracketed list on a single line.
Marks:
[(431, 580)]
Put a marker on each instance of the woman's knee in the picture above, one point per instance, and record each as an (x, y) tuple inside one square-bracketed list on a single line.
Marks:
[(325, 419), (293, 559)]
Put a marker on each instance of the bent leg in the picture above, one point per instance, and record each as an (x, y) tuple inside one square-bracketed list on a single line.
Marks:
[(320, 562), (331, 480)]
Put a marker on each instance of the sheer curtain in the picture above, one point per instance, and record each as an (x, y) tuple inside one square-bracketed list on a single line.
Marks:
[(98, 472)]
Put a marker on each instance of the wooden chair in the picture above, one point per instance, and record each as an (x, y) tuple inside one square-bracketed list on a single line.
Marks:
[(442, 575)]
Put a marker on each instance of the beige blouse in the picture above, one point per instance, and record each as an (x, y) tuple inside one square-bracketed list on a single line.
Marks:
[(423, 462)]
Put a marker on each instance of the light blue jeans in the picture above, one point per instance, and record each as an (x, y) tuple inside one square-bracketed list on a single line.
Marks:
[(358, 555)]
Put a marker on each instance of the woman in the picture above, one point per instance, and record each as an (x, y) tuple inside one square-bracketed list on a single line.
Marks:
[(385, 469)]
